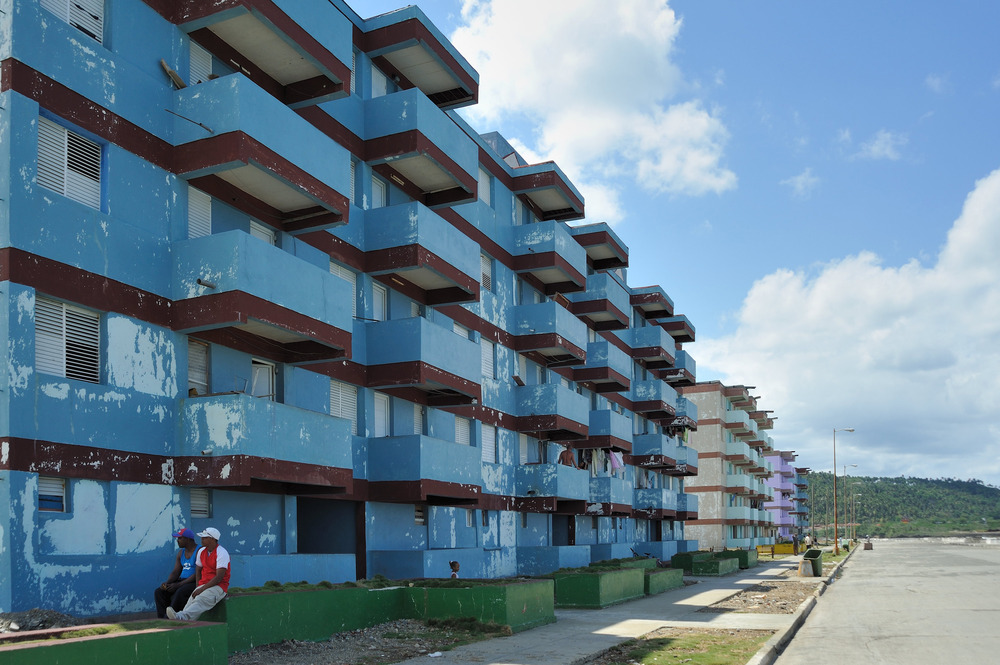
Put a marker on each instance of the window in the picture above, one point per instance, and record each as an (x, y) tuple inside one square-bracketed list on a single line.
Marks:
[(416, 309), (593, 521), (380, 83), (418, 418), (67, 341), (460, 330), (201, 64), (485, 186), (197, 368), (463, 428), (488, 351), (419, 514), (518, 212), (470, 517), (489, 443), (352, 279), (261, 231), (354, 71), (524, 520), (486, 272), (344, 402), (353, 174), (381, 423), (380, 302), (87, 16), (69, 164), (486, 518), (51, 494), (199, 213), (378, 193), (262, 379), (522, 448), (201, 503)]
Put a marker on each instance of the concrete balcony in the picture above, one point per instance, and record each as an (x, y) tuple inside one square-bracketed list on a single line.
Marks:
[(416, 354), (405, 44), (739, 483), (684, 371), (237, 440), (548, 257), (549, 333), (679, 327), (274, 44), (740, 515), (738, 422), (687, 462), (610, 495), (552, 485), (607, 368), (421, 254), (651, 345), (687, 506), (550, 193), (608, 429), (687, 413), (654, 399), (605, 250), (653, 302), (654, 451), (655, 503), (603, 304), (738, 453), (423, 469), (259, 156), (550, 411), (416, 146), (232, 286)]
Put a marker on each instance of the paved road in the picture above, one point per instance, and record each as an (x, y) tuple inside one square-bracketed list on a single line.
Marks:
[(914, 602)]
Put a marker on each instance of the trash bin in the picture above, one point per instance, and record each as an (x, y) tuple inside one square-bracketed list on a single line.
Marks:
[(815, 557), (868, 546)]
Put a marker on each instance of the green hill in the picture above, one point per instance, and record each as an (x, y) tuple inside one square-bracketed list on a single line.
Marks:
[(890, 507)]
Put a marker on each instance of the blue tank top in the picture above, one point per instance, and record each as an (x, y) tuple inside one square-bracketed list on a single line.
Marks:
[(188, 564)]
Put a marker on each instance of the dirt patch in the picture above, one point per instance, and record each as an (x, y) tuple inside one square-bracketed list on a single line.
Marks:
[(765, 598), (681, 653), (36, 619), (386, 643)]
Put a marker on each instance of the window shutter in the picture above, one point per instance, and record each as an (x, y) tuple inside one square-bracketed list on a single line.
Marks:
[(378, 193), (488, 349), (418, 419), (419, 514), (67, 341), (352, 175), (199, 213), (380, 297), (484, 186), (51, 494), (379, 83), (262, 379), (198, 366), (344, 402), (382, 424), (201, 503), (352, 279), (201, 64), (69, 164), (460, 330), (462, 426), (522, 452), (265, 233), (354, 71), (486, 271), (87, 16), (489, 444)]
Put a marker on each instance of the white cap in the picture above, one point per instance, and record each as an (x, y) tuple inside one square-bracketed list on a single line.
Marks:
[(210, 532)]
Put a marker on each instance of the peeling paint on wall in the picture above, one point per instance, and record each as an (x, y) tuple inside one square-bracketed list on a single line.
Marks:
[(145, 516), (83, 530), (141, 358)]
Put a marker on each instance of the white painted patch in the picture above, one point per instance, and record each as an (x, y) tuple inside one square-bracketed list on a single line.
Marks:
[(144, 517), (86, 530), (232, 521), (4, 453), (226, 470), (167, 472), (55, 390), (19, 374), (141, 358)]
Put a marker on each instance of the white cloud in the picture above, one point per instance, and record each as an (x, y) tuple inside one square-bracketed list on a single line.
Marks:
[(802, 184), (936, 83), (908, 355), (884, 145), (597, 85)]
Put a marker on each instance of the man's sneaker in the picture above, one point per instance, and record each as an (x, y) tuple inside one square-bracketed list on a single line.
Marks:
[(171, 614)]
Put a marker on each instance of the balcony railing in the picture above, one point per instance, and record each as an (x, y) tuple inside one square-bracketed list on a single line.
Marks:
[(654, 399), (234, 284), (550, 192), (550, 332), (650, 344), (607, 368), (653, 301), (552, 480), (609, 429), (549, 257), (605, 250), (655, 503), (604, 304), (611, 490), (417, 468), (679, 327), (684, 371), (551, 411)]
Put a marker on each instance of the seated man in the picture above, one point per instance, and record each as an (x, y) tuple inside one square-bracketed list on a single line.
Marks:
[(213, 578), (178, 587)]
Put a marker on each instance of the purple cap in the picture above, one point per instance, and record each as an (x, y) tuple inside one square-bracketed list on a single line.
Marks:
[(185, 533)]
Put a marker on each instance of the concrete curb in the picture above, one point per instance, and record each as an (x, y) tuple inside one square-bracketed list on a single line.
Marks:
[(774, 646)]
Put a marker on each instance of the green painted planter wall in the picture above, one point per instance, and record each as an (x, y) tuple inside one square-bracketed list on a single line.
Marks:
[(714, 567), (663, 579), (200, 643), (747, 558), (644, 563), (521, 606), (596, 590), (685, 560)]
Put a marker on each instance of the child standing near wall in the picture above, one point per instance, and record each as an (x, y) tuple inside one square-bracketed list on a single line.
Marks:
[(454, 569)]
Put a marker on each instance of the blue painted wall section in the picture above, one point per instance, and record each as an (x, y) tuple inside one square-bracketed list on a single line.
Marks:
[(332, 319)]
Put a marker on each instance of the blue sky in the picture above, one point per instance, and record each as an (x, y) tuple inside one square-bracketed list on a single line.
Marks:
[(816, 186)]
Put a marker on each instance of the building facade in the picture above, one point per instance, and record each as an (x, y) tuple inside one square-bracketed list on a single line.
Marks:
[(789, 504), (259, 275), (732, 468)]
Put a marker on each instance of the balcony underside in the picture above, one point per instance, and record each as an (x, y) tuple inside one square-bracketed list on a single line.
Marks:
[(550, 272), (604, 441), (430, 492), (258, 474), (608, 509), (242, 321), (677, 376), (420, 168), (600, 314), (551, 349), (421, 275), (603, 251), (601, 379), (651, 461), (417, 381), (655, 410), (654, 513), (549, 196), (653, 305), (552, 427)]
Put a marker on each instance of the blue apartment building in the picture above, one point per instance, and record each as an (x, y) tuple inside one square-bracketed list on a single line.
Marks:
[(257, 274)]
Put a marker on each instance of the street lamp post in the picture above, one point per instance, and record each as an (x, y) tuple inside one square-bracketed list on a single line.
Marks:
[(847, 506), (836, 548)]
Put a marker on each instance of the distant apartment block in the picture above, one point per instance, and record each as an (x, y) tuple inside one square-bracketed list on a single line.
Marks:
[(789, 504)]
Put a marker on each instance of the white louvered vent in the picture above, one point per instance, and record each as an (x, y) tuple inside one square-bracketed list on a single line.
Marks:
[(69, 164), (488, 349), (87, 16), (489, 444), (486, 272), (462, 431), (67, 340), (349, 277), (201, 503), (199, 213), (344, 402), (201, 64)]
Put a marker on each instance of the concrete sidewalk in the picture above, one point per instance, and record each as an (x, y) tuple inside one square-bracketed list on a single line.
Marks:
[(579, 635)]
